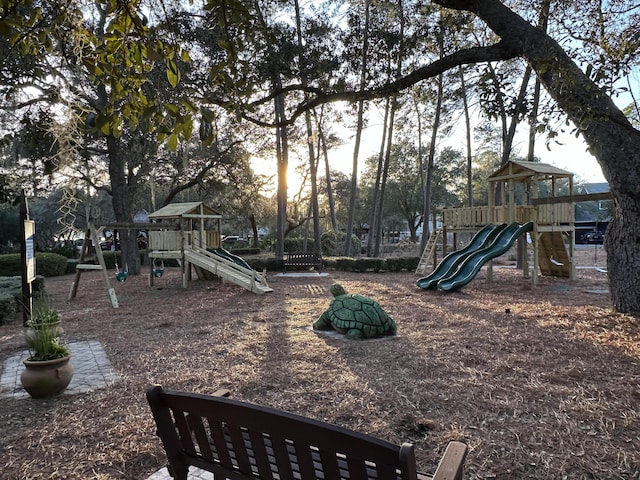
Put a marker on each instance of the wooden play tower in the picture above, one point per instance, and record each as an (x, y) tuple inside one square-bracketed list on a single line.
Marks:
[(522, 192)]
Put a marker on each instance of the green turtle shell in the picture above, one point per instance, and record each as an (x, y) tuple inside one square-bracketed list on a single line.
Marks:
[(353, 311)]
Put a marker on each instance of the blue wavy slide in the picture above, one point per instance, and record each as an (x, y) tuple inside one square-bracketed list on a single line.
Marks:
[(472, 264), (449, 263)]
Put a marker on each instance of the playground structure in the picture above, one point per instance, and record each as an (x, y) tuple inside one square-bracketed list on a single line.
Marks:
[(177, 231), (529, 201), (191, 235)]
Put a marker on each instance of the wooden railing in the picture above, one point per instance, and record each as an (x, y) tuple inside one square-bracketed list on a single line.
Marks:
[(165, 240), (172, 239), (466, 217), (212, 239), (556, 214)]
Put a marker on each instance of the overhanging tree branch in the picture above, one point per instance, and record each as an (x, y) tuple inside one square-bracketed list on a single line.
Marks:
[(493, 53)]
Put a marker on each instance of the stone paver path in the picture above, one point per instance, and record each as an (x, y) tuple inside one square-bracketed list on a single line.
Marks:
[(91, 366)]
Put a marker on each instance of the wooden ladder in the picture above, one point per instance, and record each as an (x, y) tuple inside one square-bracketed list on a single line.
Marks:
[(92, 235), (429, 249)]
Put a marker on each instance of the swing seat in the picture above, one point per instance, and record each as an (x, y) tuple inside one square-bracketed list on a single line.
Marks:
[(122, 276), (158, 272)]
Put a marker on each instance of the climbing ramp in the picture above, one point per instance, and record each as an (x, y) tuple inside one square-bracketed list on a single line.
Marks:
[(553, 257)]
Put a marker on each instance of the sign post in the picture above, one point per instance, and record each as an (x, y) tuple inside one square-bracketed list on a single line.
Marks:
[(27, 257)]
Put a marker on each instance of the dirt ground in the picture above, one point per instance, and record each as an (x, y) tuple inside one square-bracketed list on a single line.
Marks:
[(541, 383)]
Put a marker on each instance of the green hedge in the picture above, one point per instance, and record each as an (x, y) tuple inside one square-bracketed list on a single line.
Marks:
[(370, 264), (345, 264), (245, 251), (259, 263), (47, 264), (11, 295)]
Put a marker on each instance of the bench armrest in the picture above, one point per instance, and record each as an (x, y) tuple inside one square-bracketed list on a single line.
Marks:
[(451, 466)]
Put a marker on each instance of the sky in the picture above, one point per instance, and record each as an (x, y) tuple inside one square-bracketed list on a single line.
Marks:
[(566, 152)]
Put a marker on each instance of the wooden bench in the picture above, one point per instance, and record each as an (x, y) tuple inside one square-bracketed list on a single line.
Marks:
[(241, 441), (302, 259)]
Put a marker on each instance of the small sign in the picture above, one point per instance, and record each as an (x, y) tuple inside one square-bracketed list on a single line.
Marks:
[(29, 241)]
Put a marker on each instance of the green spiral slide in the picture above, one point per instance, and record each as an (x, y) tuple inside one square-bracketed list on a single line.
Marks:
[(449, 263), (472, 264)]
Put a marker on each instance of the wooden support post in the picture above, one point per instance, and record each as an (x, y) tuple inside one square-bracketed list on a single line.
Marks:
[(91, 235)]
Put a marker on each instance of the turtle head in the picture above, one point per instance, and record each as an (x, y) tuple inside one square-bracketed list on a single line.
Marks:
[(337, 289)]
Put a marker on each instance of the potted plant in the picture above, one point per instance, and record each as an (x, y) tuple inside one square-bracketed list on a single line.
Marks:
[(44, 316), (48, 370)]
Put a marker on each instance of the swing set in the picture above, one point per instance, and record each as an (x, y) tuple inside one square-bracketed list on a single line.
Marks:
[(92, 235)]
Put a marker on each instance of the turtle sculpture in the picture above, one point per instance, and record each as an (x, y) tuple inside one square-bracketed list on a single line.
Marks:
[(355, 315)]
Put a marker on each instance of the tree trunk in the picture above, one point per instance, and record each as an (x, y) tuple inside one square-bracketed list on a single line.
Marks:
[(611, 137), (383, 179), (373, 218), (282, 151), (426, 209), (543, 22), (313, 163), (332, 202), (254, 229), (467, 123), (353, 194), (122, 200)]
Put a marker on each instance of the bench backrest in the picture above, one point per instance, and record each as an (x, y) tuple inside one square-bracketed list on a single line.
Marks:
[(241, 441), (303, 256)]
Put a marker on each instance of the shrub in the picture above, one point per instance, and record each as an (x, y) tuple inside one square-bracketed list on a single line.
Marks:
[(47, 264), (50, 264), (113, 256), (345, 264), (412, 263), (333, 243), (259, 263), (246, 251), (10, 265), (11, 295), (8, 307), (295, 244), (395, 264), (65, 250), (398, 264), (366, 264)]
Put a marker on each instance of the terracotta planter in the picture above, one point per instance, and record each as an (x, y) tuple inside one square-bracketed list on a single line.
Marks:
[(46, 378)]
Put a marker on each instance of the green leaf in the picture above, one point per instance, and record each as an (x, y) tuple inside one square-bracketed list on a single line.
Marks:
[(172, 144), (172, 109), (173, 74), (190, 106), (187, 129)]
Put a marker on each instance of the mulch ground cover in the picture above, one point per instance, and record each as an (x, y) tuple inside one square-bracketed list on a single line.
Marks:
[(540, 382)]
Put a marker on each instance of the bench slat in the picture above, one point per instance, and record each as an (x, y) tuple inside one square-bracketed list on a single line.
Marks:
[(302, 259)]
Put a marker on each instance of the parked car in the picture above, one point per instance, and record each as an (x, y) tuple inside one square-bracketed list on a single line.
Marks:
[(593, 237)]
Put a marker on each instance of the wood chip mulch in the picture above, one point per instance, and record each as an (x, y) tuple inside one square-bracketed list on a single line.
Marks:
[(541, 383)]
